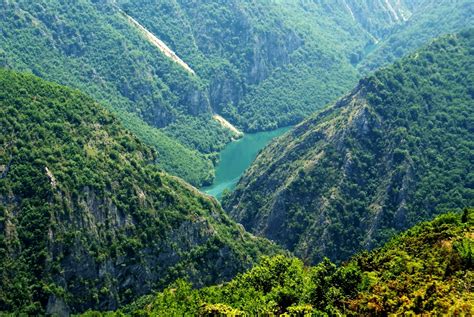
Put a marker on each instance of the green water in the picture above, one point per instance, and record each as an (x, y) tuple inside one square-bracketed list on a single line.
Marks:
[(236, 157)]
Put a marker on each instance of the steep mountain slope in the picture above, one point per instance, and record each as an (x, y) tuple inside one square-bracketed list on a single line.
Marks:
[(87, 220), (427, 270), (396, 150), (428, 19), (249, 51), (167, 67), (271, 63), (90, 45)]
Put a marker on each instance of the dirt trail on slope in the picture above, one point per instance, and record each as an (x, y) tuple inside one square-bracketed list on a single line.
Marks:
[(393, 12), (158, 43), (226, 124)]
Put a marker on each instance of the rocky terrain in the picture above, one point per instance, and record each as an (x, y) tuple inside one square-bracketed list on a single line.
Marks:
[(87, 220), (362, 169)]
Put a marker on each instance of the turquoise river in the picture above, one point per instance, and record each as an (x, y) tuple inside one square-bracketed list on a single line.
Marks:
[(236, 157)]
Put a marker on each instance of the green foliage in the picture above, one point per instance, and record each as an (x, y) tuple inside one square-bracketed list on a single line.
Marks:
[(261, 64), (465, 250), (262, 61), (175, 158), (218, 310), (465, 215), (412, 274), (271, 63), (395, 151), (426, 22), (89, 45), (87, 220)]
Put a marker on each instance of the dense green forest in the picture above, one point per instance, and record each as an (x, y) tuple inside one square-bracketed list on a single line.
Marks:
[(260, 64), (87, 220), (271, 63), (428, 269), (112, 111), (91, 46), (397, 150), (261, 49), (428, 21)]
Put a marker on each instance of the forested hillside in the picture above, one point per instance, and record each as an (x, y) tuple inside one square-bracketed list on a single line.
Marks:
[(396, 150), (428, 20), (271, 63), (87, 220), (111, 111), (427, 270), (259, 64), (92, 46), (268, 63)]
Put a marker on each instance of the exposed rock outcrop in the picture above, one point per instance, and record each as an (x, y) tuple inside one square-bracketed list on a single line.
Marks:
[(368, 166)]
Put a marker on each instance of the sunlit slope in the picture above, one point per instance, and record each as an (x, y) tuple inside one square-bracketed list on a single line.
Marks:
[(395, 151)]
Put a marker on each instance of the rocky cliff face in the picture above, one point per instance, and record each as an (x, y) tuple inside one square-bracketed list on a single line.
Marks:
[(378, 18), (420, 21), (129, 69), (362, 169), (433, 259), (87, 220), (259, 64), (96, 258), (225, 43)]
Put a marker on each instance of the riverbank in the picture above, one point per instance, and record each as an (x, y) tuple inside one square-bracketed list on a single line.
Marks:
[(236, 157)]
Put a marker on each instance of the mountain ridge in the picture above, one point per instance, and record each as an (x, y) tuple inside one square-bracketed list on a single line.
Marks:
[(353, 174), (425, 270), (87, 220), (260, 65)]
